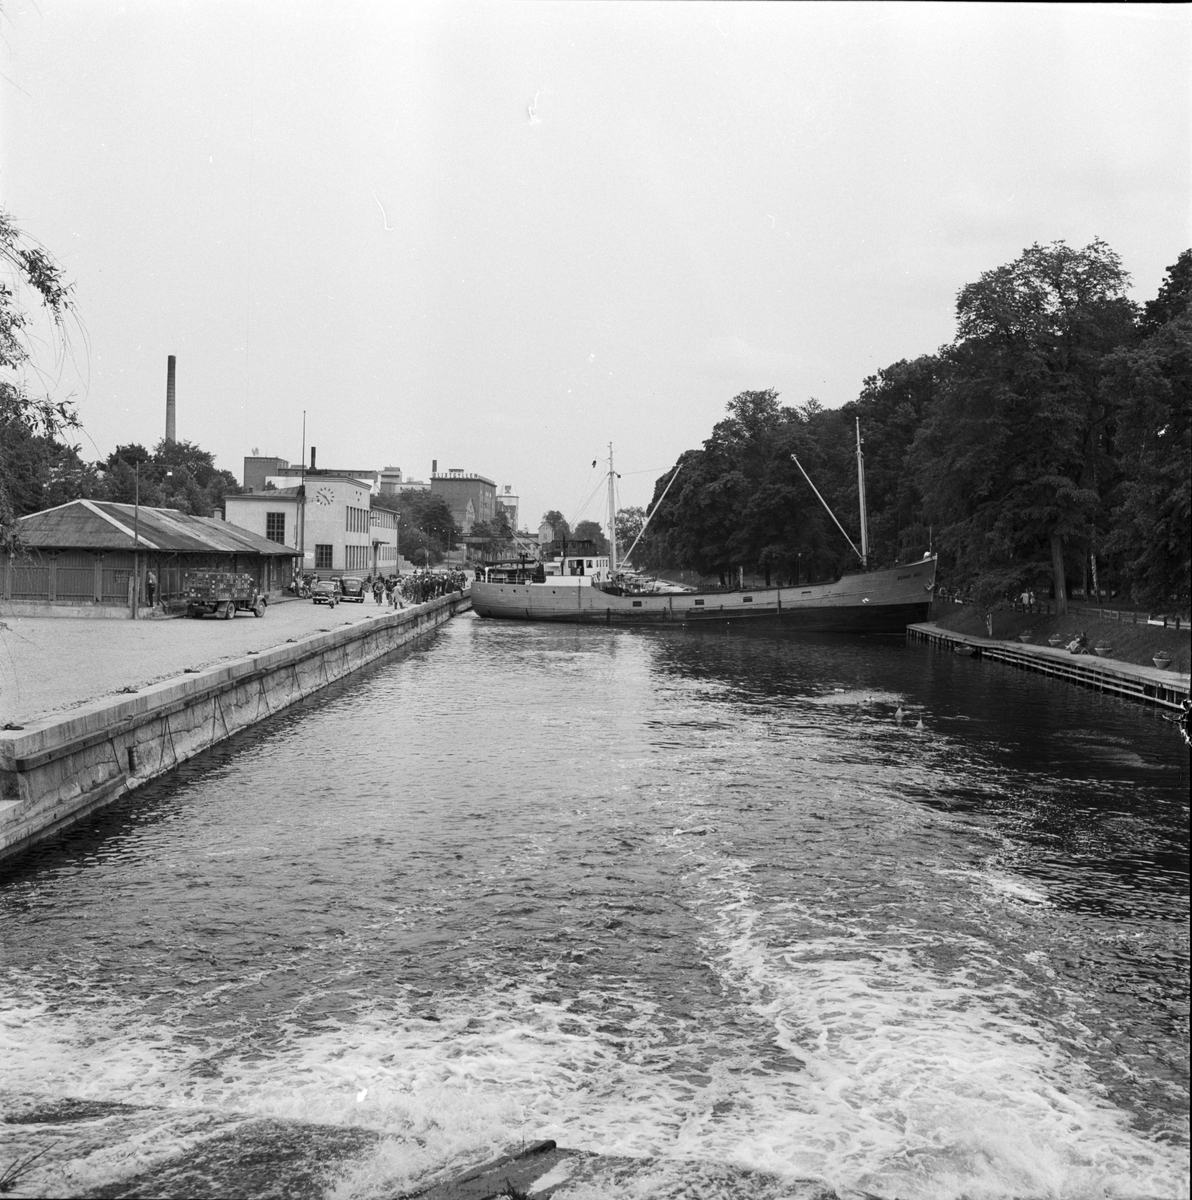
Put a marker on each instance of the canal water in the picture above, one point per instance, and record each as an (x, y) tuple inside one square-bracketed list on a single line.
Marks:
[(690, 896)]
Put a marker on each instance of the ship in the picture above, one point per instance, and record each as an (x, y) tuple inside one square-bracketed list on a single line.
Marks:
[(584, 587)]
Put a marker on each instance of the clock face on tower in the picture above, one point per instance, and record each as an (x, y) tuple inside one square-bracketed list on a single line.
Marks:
[(324, 495)]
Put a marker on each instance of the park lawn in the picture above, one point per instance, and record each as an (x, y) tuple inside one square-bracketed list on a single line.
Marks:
[(1131, 643)]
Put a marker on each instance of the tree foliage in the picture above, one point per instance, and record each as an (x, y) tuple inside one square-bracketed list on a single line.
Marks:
[(1048, 442), (558, 523), (31, 423), (426, 528)]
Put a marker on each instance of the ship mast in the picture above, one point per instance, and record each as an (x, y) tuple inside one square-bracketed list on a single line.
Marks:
[(612, 513), (861, 497)]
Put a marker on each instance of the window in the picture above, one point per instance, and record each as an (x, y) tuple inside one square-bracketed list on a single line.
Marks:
[(322, 557), (275, 527)]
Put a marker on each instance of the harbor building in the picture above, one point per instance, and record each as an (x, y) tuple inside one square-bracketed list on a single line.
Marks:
[(330, 521), (91, 554)]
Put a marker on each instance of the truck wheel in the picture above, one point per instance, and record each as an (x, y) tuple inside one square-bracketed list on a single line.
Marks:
[(229, 610), (258, 609)]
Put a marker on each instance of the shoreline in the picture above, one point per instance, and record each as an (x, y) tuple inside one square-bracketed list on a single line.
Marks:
[(58, 769)]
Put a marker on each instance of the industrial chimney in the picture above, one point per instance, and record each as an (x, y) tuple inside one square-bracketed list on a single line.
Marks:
[(171, 428), (434, 466), (312, 457)]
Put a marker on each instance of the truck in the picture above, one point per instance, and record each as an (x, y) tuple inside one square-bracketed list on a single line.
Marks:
[(222, 593)]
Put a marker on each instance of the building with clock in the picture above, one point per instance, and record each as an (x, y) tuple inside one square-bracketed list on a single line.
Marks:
[(329, 518)]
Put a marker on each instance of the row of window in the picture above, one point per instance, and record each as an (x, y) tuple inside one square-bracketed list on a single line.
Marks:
[(357, 519), (275, 527), (356, 558)]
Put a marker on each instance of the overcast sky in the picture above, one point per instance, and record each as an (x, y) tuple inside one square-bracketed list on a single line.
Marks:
[(503, 235)]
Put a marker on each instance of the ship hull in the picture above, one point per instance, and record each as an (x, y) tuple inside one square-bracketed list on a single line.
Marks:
[(883, 601)]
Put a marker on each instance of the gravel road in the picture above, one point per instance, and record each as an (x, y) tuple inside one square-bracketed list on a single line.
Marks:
[(49, 664)]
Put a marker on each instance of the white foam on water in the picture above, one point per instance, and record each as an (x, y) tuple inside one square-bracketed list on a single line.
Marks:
[(920, 1083)]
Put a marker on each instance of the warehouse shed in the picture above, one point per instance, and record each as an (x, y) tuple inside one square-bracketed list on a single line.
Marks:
[(96, 553)]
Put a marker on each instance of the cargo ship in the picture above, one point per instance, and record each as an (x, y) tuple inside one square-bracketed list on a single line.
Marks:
[(586, 588)]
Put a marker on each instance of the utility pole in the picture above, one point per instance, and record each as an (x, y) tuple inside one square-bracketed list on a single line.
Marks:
[(136, 545)]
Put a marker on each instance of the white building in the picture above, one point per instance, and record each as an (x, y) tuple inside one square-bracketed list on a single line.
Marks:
[(507, 500), (334, 524)]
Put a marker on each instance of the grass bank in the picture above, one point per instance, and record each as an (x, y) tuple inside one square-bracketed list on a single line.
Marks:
[(1131, 643)]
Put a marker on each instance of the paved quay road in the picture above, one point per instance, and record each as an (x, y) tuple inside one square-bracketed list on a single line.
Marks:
[(51, 664)]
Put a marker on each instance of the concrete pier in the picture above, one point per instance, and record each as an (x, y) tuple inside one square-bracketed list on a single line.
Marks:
[(1148, 685), (58, 769)]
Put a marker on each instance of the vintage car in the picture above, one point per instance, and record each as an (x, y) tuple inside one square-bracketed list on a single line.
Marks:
[(222, 593), (352, 588), (325, 591)]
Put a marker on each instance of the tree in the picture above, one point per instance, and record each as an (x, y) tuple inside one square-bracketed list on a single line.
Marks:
[(629, 523), (590, 531), (558, 523), (425, 524), (890, 409), (1013, 454), (24, 415), (1152, 386)]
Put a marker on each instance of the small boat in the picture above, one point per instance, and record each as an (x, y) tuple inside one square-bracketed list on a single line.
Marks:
[(965, 649), (586, 588)]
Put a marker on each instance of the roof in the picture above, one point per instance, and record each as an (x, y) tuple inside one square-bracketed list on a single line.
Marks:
[(275, 493), (102, 525)]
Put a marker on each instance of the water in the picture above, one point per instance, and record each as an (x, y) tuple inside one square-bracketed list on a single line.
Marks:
[(649, 893)]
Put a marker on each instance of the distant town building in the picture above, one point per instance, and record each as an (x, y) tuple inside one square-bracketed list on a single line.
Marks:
[(470, 497), (507, 500), (258, 469), (393, 481), (263, 472)]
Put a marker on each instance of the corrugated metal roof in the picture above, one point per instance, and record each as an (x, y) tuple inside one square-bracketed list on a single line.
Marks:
[(102, 525)]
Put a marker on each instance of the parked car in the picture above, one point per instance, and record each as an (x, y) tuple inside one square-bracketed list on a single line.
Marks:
[(325, 591), (352, 588), (222, 593)]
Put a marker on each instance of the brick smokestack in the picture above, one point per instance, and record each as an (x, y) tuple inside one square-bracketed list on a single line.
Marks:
[(312, 457), (171, 428)]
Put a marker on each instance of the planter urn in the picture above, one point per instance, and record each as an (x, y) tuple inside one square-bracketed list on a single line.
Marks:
[(1162, 661)]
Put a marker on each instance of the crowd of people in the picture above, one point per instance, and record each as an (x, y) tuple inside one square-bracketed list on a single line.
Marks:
[(396, 591), (399, 590)]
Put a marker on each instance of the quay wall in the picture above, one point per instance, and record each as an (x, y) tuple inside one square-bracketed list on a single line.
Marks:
[(57, 770), (1148, 685)]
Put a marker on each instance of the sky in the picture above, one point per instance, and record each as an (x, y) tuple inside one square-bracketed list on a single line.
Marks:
[(505, 235)]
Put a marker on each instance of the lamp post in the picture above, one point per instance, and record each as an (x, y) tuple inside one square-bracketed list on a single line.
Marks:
[(136, 544)]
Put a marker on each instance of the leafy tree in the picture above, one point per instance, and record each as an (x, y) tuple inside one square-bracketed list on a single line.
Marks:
[(1152, 385), (426, 527), (40, 472), (590, 531), (1013, 453), (741, 501), (629, 522), (891, 408), (23, 414), (558, 523), (178, 475)]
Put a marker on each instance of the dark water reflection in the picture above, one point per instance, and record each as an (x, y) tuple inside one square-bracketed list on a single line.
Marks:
[(694, 895)]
